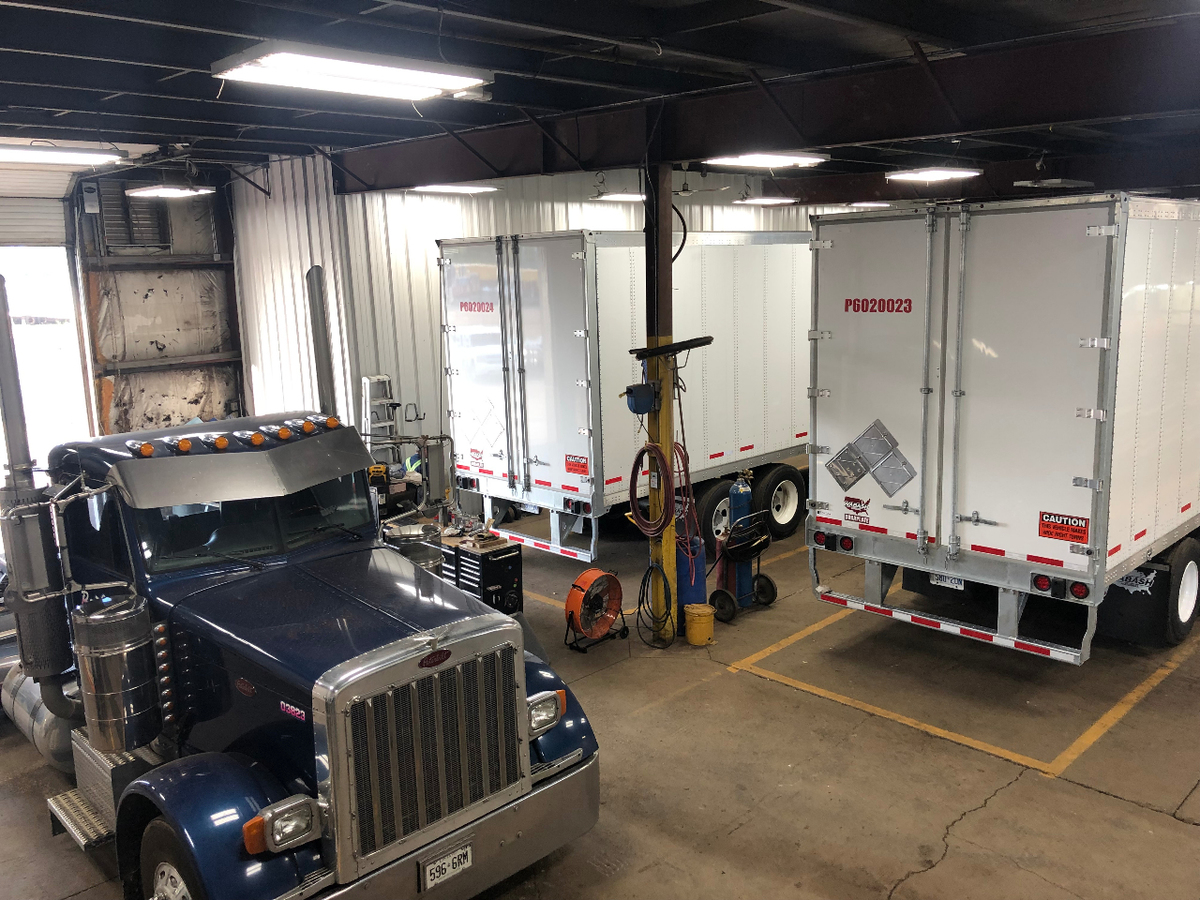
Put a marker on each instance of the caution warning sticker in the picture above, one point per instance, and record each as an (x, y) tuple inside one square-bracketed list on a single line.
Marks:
[(577, 465), (1061, 527)]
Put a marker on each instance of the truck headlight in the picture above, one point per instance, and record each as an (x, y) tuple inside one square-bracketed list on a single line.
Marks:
[(283, 825), (545, 709)]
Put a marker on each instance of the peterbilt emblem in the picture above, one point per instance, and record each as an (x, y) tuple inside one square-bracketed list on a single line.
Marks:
[(434, 659), (1137, 582), (245, 688), (294, 711)]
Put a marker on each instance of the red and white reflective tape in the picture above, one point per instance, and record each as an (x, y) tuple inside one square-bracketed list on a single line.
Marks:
[(800, 434), (617, 480), (937, 623), (542, 545)]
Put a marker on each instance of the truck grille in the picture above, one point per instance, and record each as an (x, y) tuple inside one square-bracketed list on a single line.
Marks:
[(431, 748)]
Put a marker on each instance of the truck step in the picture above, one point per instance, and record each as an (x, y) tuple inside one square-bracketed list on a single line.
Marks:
[(73, 813)]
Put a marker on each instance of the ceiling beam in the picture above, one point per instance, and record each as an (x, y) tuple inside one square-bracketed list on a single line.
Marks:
[(1175, 169), (1147, 72), (933, 22)]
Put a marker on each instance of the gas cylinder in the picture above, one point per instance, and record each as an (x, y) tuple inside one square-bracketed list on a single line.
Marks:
[(739, 508)]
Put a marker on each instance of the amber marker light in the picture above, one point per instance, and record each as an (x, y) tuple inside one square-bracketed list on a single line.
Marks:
[(308, 427), (254, 836), (184, 445), (147, 449), (257, 439), (332, 422), (220, 442), (284, 433)]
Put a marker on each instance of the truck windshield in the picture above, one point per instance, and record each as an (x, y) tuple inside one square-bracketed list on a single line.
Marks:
[(181, 537)]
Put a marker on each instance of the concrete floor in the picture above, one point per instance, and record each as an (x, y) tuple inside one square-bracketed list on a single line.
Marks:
[(862, 759)]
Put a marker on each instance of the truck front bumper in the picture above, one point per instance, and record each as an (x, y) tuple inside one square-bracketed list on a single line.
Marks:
[(504, 842)]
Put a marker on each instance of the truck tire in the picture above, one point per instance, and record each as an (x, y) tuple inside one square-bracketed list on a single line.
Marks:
[(166, 865), (712, 508), (1185, 590), (780, 490)]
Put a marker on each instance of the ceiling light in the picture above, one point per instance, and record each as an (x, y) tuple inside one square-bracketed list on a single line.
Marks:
[(168, 191), (454, 189), (870, 204), (621, 197), (933, 175), (58, 156), (316, 68), (765, 201), (769, 160)]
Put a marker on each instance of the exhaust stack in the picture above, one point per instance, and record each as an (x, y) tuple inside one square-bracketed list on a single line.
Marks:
[(34, 573)]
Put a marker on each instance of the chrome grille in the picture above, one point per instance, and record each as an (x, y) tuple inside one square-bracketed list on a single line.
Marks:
[(426, 750)]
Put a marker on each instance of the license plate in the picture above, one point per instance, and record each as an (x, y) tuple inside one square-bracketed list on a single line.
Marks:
[(947, 581), (446, 867)]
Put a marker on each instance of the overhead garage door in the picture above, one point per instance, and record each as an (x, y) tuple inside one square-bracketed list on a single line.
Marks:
[(32, 222)]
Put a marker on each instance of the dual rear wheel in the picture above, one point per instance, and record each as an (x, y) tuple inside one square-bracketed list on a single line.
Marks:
[(779, 488)]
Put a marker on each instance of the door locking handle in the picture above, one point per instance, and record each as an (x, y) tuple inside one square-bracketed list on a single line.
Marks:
[(974, 519)]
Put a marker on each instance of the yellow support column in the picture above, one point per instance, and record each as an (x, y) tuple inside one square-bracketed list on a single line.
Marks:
[(661, 423)]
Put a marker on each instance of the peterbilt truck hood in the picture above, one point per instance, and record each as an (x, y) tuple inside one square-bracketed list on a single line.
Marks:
[(300, 619)]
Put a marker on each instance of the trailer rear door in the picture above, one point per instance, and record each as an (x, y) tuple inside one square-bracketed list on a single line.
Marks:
[(554, 384), (872, 324), (475, 350), (1033, 297)]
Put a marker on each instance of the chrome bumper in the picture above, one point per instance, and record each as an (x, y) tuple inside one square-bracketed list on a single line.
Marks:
[(504, 842)]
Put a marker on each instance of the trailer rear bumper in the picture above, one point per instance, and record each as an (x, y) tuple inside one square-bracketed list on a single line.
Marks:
[(962, 629)]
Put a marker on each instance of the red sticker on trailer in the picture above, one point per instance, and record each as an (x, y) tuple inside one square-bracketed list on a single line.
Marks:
[(1060, 527), (577, 465)]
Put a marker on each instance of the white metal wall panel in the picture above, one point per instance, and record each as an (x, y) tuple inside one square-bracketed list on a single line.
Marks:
[(32, 222), (1186, 298), (277, 239), (719, 390), (749, 350)]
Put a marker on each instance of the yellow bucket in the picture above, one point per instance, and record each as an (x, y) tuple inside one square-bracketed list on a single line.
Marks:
[(699, 623)]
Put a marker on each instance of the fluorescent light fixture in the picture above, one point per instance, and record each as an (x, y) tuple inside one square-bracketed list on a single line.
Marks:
[(765, 201), (870, 204), (315, 68), (933, 175), (168, 191), (454, 189), (769, 160), (45, 154), (1055, 183), (621, 197)]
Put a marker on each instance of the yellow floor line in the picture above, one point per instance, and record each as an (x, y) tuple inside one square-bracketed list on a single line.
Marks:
[(677, 693), (957, 738), (788, 641), (784, 555), (1121, 708), (542, 598)]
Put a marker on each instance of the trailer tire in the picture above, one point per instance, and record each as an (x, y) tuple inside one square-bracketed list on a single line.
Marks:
[(1185, 590), (712, 508), (780, 490), (164, 857)]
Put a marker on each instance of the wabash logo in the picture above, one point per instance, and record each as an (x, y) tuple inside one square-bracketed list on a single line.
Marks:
[(479, 306), (857, 510), (476, 456)]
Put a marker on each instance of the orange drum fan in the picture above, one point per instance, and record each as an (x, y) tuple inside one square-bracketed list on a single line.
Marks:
[(593, 607)]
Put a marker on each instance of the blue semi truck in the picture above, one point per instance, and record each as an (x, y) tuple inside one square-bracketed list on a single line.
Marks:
[(266, 700)]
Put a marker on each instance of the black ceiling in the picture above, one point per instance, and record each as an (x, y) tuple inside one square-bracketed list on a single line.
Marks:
[(138, 71)]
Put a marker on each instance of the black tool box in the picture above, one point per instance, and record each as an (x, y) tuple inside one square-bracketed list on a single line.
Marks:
[(491, 571)]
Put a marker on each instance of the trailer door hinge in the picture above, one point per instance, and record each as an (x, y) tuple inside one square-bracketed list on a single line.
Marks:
[(820, 245), (451, 371), (1081, 550), (816, 504), (1089, 483), (443, 261), (1084, 413), (818, 449), (814, 393), (446, 329), (578, 254), (587, 432), (582, 332), (1102, 231), (583, 382), (819, 335), (1095, 343)]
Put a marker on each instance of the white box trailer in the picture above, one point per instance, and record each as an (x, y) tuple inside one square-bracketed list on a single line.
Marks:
[(1008, 395), (538, 333)]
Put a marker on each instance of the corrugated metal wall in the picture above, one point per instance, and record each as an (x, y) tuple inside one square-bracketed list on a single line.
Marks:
[(382, 247), (32, 222)]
